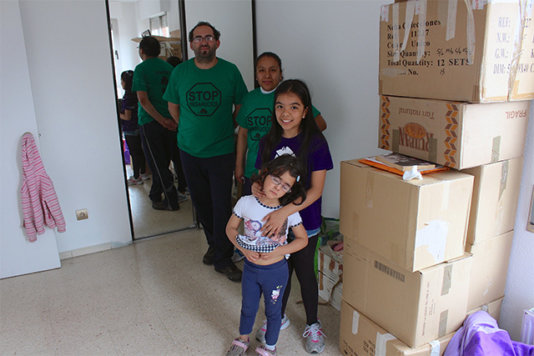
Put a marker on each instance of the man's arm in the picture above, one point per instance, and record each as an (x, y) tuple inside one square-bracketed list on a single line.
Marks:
[(235, 113), (174, 109), (241, 148), (168, 123)]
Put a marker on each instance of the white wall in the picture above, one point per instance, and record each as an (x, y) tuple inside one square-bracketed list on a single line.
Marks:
[(17, 116), (519, 293), (70, 73), (126, 15), (333, 47), (233, 18)]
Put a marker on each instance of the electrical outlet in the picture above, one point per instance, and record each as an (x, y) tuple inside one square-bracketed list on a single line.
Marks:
[(82, 214)]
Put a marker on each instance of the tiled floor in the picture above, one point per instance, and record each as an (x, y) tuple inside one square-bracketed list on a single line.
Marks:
[(154, 297)]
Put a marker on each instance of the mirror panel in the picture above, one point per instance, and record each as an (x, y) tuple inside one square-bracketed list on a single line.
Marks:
[(129, 20)]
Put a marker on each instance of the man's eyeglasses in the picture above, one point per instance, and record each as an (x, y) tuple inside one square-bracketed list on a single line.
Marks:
[(277, 181), (208, 38)]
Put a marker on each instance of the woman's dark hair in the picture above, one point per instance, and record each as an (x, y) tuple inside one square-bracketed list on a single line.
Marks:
[(127, 77), (269, 54), (150, 46), (277, 167), (308, 127)]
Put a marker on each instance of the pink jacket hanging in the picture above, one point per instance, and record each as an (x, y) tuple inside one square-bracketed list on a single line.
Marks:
[(39, 201)]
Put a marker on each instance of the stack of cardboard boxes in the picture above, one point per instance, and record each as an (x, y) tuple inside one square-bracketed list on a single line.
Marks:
[(455, 82)]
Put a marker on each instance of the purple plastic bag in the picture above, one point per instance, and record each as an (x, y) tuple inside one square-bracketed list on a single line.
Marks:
[(480, 336)]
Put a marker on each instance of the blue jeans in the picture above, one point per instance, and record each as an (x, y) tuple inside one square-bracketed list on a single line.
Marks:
[(270, 280)]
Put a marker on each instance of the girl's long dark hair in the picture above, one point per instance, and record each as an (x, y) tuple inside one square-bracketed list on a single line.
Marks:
[(308, 127), (277, 167), (127, 77)]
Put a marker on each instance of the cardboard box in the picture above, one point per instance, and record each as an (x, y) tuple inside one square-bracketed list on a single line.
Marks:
[(494, 201), (457, 135), (492, 308), (329, 261), (414, 224), (330, 289), (476, 51), (523, 82), (360, 336), (416, 307), (489, 269), (330, 274)]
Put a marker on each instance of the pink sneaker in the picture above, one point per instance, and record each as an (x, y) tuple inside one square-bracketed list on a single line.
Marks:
[(238, 348), (262, 351)]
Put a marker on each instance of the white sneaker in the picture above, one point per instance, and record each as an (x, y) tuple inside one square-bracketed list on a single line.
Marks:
[(181, 197), (260, 334), (145, 176), (314, 338)]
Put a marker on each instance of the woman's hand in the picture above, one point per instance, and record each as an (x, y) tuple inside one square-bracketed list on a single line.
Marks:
[(252, 256), (273, 222), (239, 173), (257, 191), (271, 255)]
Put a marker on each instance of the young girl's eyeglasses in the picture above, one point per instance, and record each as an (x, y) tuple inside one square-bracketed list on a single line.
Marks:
[(277, 181)]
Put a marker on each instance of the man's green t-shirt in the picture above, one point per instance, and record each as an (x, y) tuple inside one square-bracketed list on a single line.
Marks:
[(152, 76), (206, 98), (255, 116)]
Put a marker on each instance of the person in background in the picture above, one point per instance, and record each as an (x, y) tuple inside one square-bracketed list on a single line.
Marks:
[(130, 128), (174, 61), (150, 81), (175, 156), (294, 131), (265, 269), (202, 94)]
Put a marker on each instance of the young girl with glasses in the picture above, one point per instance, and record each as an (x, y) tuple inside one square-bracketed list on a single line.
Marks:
[(294, 131), (265, 269)]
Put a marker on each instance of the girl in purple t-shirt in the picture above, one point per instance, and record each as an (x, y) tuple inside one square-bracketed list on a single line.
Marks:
[(294, 131)]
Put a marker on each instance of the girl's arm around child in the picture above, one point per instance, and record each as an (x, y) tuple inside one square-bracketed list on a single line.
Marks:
[(274, 221), (300, 241)]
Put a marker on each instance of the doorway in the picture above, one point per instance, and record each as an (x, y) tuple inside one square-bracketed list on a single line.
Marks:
[(129, 21)]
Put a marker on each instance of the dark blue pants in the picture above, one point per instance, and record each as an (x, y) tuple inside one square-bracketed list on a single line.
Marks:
[(271, 281), (136, 153), (210, 185), (159, 144)]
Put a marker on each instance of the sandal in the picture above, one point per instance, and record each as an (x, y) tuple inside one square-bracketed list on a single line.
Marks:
[(238, 348), (262, 351)]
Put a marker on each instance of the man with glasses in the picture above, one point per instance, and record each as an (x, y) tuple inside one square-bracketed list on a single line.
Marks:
[(202, 94)]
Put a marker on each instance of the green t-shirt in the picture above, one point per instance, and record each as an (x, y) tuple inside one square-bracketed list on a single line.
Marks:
[(206, 98), (255, 116), (152, 76)]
